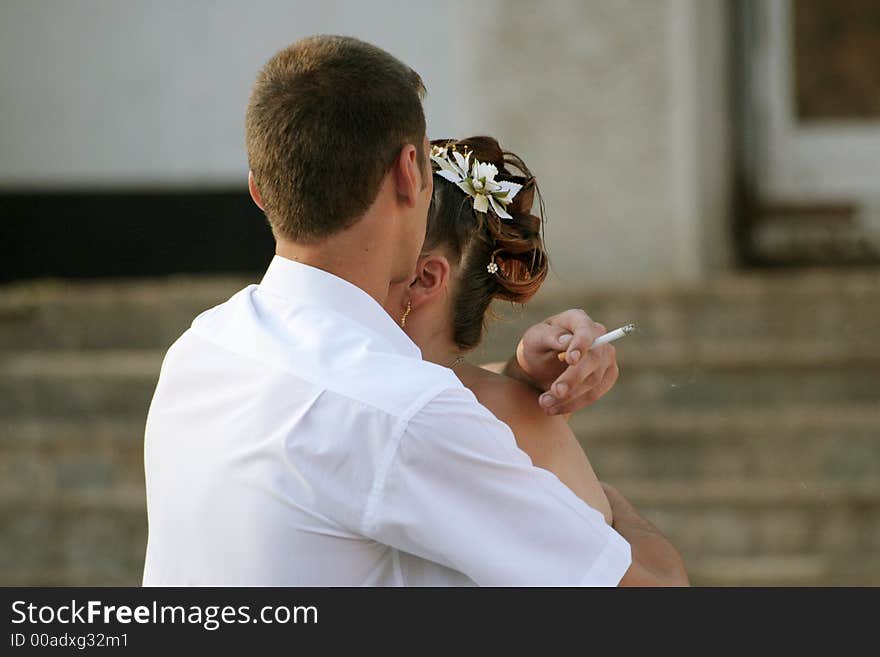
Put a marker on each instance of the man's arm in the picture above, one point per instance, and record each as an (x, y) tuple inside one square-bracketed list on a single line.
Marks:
[(457, 490), (655, 561), (563, 387)]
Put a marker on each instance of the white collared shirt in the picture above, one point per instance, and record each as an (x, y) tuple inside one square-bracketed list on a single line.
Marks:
[(297, 438)]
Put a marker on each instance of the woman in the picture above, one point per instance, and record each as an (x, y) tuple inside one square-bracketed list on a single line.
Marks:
[(484, 243)]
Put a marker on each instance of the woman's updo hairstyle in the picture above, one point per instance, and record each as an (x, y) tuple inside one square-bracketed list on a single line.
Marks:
[(474, 240)]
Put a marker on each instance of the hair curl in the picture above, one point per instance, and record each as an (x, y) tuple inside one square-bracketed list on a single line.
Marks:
[(474, 239)]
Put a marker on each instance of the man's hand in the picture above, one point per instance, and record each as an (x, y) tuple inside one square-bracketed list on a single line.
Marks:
[(655, 561), (584, 377)]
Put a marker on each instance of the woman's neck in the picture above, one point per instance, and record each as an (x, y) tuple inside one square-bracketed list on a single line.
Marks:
[(448, 354), (441, 351)]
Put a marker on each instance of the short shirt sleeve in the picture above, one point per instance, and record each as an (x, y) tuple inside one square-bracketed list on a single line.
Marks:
[(457, 490)]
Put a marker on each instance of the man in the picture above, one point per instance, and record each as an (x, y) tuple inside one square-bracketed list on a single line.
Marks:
[(297, 438)]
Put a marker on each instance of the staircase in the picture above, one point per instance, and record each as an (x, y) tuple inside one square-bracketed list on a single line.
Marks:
[(745, 424), (746, 421)]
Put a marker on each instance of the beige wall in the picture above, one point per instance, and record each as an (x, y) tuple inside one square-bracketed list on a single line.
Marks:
[(621, 109)]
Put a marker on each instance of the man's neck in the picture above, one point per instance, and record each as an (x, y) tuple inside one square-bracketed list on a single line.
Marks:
[(352, 255)]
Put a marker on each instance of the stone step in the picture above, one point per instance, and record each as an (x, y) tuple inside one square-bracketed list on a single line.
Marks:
[(835, 306), (85, 383), (78, 384), (118, 314), (760, 518), (98, 457), (791, 305), (703, 387), (819, 317), (751, 493), (99, 574), (47, 542), (820, 443), (783, 570)]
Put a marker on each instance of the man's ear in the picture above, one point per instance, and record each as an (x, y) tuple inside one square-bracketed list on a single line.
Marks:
[(432, 278), (408, 175), (252, 188)]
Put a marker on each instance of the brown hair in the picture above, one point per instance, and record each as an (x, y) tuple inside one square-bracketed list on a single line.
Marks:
[(326, 120), (475, 239)]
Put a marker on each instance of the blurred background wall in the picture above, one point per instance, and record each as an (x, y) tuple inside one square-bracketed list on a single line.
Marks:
[(708, 168), (617, 104)]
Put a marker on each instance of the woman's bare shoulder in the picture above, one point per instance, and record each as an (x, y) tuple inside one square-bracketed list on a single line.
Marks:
[(547, 439), (515, 404)]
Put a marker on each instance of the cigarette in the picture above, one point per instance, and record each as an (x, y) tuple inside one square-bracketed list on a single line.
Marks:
[(611, 336)]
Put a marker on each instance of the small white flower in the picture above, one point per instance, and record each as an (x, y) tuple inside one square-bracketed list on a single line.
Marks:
[(484, 171), (492, 267), (476, 180)]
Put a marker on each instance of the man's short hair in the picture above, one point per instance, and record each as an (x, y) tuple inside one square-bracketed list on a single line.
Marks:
[(327, 118)]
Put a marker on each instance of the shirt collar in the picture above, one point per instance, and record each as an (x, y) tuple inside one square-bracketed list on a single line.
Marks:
[(302, 283)]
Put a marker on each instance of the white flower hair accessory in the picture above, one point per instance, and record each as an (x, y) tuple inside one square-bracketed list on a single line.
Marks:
[(476, 180)]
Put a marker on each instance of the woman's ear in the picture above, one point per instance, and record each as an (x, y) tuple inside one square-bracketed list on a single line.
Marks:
[(432, 278)]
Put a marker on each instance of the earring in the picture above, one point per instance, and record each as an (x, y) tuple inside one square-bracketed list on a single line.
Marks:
[(405, 314)]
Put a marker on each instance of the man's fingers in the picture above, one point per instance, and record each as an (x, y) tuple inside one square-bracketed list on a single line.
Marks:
[(594, 392), (547, 401), (583, 338), (586, 374), (610, 378), (548, 337), (588, 371), (571, 319), (609, 489), (573, 335), (583, 395), (581, 341), (571, 406), (574, 403), (615, 497)]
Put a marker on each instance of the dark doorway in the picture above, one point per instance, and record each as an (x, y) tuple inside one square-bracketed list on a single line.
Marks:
[(81, 234)]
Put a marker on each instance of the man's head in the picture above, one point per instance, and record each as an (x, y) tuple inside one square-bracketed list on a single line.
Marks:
[(329, 117)]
